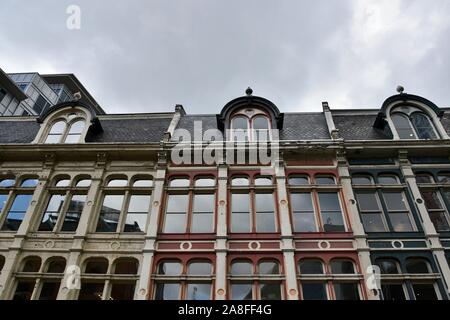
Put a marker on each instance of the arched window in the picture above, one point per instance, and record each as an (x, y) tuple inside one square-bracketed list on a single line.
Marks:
[(250, 125), (412, 123), (66, 131)]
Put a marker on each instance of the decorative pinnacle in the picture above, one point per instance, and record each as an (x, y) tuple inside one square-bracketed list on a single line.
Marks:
[(400, 89), (249, 91)]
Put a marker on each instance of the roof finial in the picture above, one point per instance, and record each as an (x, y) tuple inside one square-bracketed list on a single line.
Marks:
[(249, 91), (400, 89)]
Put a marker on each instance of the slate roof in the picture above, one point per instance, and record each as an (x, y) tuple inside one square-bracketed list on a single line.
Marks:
[(304, 126), (130, 130), (360, 127), (18, 131)]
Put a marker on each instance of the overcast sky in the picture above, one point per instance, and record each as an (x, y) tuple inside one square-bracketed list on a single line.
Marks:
[(147, 56)]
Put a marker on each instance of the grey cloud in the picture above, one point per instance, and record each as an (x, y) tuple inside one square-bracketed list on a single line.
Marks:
[(147, 56)]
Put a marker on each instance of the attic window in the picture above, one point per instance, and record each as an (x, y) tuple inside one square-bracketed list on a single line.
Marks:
[(250, 125), (412, 123)]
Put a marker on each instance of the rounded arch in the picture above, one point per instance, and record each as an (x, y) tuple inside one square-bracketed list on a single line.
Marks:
[(250, 101), (96, 265), (126, 265), (2, 262), (31, 264), (55, 265)]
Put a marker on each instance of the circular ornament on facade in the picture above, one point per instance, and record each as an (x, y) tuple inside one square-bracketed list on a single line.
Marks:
[(89, 203), (220, 292), (283, 202), (324, 245), (186, 245), (397, 244), (33, 202), (293, 292), (353, 201), (115, 245), (49, 244), (419, 201), (254, 245), (222, 202), (142, 292), (155, 203)]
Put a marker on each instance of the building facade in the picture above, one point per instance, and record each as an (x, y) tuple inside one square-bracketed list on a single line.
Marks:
[(246, 203)]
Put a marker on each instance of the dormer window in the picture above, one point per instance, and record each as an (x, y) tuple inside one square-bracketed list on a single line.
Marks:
[(66, 131), (250, 125), (412, 123)]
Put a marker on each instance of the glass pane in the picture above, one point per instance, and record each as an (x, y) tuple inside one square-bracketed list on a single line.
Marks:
[(96, 266), (367, 201), (417, 266), (91, 291), (346, 291), (29, 183), (423, 126), (126, 266), (109, 214), (304, 222), (203, 203), (84, 183), (260, 122), (57, 266), (73, 138), (175, 223), (444, 178), (387, 180), (270, 291), (298, 181), (205, 182), (362, 180), (241, 291), (73, 214), (6, 183), (263, 181), (53, 138), (167, 291), (424, 291), (311, 267), (241, 268), (177, 203), (24, 290), (32, 265), (3, 199), (122, 291), (432, 200), (239, 123), (202, 223), (49, 291), (265, 215), (401, 222), (342, 267), (137, 213), (394, 201), (439, 219), (170, 268), (332, 221), (63, 183), (393, 292), (58, 127), (240, 182), (240, 206), (373, 222), (424, 178), (143, 183), (269, 267), (77, 127), (403, 126), (179, 182), (17, 212), (200, 268), (325, 180), (301, 202), (314, 291), (388, 266), (329, 201), (139, 203), (52, 212), (118, 183), (198, 291)]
